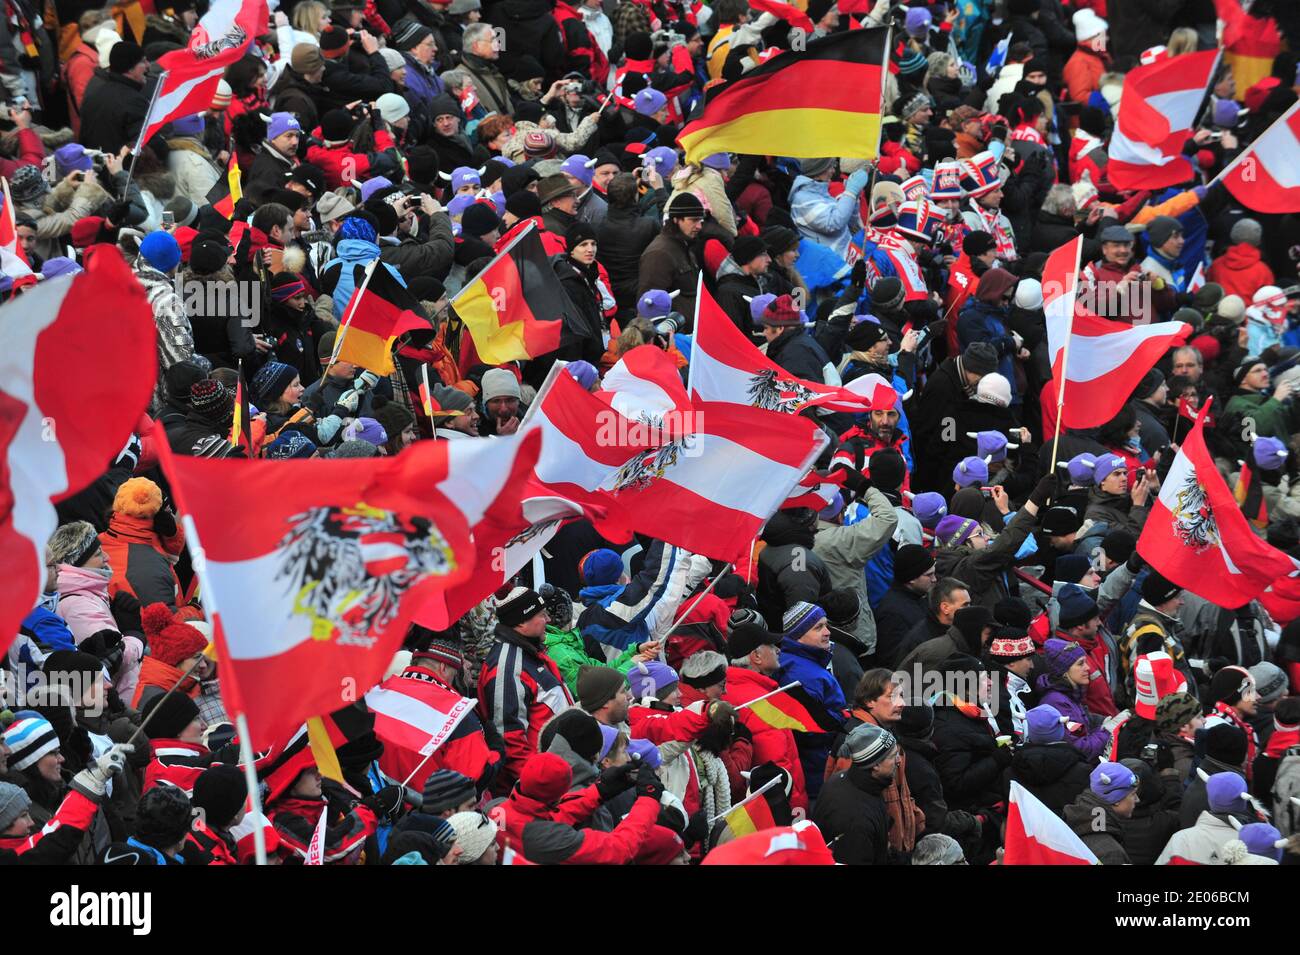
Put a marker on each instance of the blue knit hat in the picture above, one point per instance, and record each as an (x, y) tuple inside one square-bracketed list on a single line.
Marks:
[(1261, 839), (188, 125), (271, 380), (1059, 655), (1080, 467), (1076, 606), (600, 568), (801, 618), (1112, 781), (1270, 453), (354, 227), (161, 250), (651, 678), (1045, 725), (290, 444)]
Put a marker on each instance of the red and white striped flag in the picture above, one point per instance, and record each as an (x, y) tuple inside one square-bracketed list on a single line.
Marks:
[(726, 366), (1197, 536), (815, 490), (409, 722), (190, 77), (1106, 359), (13, 260), (315, 567), (1157, 113), (1037, 836), (70, 398), (1197, 281), (709, 489), (1265, 177)]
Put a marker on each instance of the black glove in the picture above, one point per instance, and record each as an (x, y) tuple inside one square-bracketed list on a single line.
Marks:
[(1043, 491), (1003, 755), (387, 802), (1135, 563), (648, 783), (697, 830), (164, 523), (126, 611), (858, 279), (615, 780)]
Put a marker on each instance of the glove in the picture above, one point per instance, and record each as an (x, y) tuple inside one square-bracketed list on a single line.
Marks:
[(1135, 563), (722, 715), (858, 280), (1003, 755), (328, 427), (648, 782), (614, 780), (1043, 490), (672, 814), (126, 611), (857, 181), (386, 803), (92, 781), (348, 401), (697, 830), (164, 523), (365, 381)]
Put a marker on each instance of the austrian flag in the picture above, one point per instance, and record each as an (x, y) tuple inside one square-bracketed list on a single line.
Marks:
[(1197, 536), (315, 567)]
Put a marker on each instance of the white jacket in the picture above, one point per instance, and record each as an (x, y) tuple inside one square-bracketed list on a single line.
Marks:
[(1202, 842), (195, 174)]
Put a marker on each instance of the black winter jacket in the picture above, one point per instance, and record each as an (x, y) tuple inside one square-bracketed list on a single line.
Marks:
[(851, 811)]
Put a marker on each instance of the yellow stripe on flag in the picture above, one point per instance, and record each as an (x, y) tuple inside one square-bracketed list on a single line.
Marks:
[(233, 175), (775, 717), (740, 822), (368, 350), (803, 134), (327, 761), (496, 344)]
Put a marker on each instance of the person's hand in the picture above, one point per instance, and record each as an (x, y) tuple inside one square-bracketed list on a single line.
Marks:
[(428, 204), (280, 19), (1141, 490), (22, 118), (368, 43), (615, 779), (1023, 354), (722, 714), (1228, 140), (126, 608), (648, 650), (1000, 499), (858, 277), (648, 783), (857, 181), (909, 340), (76, 177), (1094, 214), (555, 90), (1283, 390), (349, 401), (508, 425), (164, 522), (365, 381), (92, 782), (652, 178), (263, 345), (1202, 136), (387, 803)]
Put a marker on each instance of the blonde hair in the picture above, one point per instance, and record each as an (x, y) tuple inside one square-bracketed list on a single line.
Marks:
[(639, 331), (936, 66), (1183, 40), (307, 16)]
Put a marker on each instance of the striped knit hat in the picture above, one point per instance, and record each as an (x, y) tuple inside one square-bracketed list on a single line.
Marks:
[(29, 737), (801, 618), (868, 745), (446, 789)]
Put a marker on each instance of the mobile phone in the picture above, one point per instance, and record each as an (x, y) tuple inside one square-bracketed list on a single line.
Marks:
[(168, 219)]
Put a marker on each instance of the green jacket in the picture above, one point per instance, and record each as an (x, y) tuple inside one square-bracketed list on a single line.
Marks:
[(1272, 419), (570, 654)]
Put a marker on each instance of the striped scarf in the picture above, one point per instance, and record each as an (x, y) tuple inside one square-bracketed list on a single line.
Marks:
[(992, 221)]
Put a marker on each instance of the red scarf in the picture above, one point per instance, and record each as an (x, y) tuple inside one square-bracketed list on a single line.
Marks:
[(1283, 738)]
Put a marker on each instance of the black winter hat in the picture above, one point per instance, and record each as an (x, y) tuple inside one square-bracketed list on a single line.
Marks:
[(980, 358), (578, 728), (970, 622), (1119, 545), (748, 637), (888, 469), (1149, 384), (180, 377), (1061, 520), (1012, 612), (1156, 589), (478, 220), (865, 335), (220, 791), (910, 562), (515, 180), (446, 789), (124, 56), (597, 685), (747, 248), (977, 243), (1227, 684), (1226, 744), (208, 256), (915, 720), (638, 46), (168, 715), (524, 204), (163, 816), (887, 293), (842, 606), (336, 125)]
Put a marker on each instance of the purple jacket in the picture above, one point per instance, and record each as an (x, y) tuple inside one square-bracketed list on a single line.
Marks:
[(1090, 740)]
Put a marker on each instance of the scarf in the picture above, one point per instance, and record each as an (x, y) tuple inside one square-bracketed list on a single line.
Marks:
[(1283, 738), (992, 221), (1252, 745)]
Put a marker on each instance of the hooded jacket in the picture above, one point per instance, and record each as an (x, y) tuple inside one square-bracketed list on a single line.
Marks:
[(1056, 773), (827, 220), (1094, 821), (142, 560), (1241, 270)]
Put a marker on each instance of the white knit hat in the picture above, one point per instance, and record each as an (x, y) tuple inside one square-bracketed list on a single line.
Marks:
[(475, 833), (994, 389), (1029, 294), (1087, 24), (105, 40)]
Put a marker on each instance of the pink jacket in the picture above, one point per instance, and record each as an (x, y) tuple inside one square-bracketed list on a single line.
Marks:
[(83, 601)]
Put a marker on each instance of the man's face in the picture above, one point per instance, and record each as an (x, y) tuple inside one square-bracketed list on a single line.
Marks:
[(617, 707), (819, 635), (1248, 705), (1187, 364), (1037, 77), (758, 265), (884, 422), (887, 767), (194, 732), (286, 144), (888, 706), (1086, 630), (425, 50), (1022, 667), (487, 48), (695, 45), (1117, 253), (535, 626), (987, 258), (302, 220), (766, 659), (503, 408), (690, 225), (567, 203), (991, 200), (602, 175), (1174, 247), (921, 117), (972, 128), (1116, 482), (1256, 379), (959, 599), (466, 422), (138, 71), (922, 584), (446, 124)]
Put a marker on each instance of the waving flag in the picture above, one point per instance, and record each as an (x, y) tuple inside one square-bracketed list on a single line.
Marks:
[(678, 486), (227, 191), (1037, 836), (190, 77), (1282, 597), (824, 101), (1197, 536), (816, 490), (998, 58), (70, 398), (1157, 112), (381, 309), (1264, 178), (1106, 359), (13, 260), (754, 813), (798, 19), (315, 567), (416, 717), (726, 366)]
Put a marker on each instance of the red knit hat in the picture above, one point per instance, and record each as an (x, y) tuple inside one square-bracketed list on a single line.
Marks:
[(545, 777), (170, 642)]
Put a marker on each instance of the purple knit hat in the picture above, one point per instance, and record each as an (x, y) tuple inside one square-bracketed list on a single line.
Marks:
[(971, 472), (608, 735), (1224, 792), (1261, 839), (1045, 725), (651, 678), (992, 446), (929, 508), (1081, 467), (583, 372), (954, 530), (1112, 781), (1106, 465), (1059, 655)]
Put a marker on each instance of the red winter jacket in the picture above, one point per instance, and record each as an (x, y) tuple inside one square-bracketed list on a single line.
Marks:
[(738, 756), (76, 812), (519, 690), (31, 152), (296, 820), (211, 843), (177, 762), (1241, 271), (661, 726), (771, 745), (543, 793), (556, 843), (340, 164)]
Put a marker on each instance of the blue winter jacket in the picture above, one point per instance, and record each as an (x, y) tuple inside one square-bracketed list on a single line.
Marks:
[(351, 253), (982, 322)]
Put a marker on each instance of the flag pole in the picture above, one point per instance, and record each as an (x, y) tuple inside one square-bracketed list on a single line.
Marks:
[(1246, 152), (198, 558), (695, 334), (144, 128), (663, 648), (747, 800), (760, 699), (347, 319), (1065, 358)]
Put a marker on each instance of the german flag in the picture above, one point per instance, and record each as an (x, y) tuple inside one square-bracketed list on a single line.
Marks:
[(824, 101), (380, 309), (226, 192), (239, 433), (753, 815), (516, 307), (1249, 494), (794, 709)]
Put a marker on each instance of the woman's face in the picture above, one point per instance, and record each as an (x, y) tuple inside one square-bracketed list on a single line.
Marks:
[(308, 784), (291, 394), (953, 70), (499, 141), (398, 76), (1080, 672), (48, 766), (585, 253), (407, 437), (789, 258), (259, 84)]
